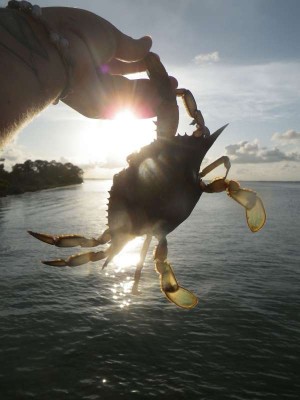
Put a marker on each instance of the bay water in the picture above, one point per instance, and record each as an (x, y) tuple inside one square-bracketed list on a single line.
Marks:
[(78, 333)]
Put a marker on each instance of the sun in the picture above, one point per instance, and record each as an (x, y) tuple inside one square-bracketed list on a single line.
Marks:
[(131, 132), (109, 142), (125, 116)]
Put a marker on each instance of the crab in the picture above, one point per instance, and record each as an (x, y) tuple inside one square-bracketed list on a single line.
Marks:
[(158, 191)]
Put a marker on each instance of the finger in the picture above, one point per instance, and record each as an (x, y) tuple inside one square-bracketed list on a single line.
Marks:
[(142, 96), (118, 92), (129, 49), (117, 67), (174, 82)]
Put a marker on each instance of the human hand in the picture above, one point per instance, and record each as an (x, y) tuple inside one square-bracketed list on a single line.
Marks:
[(101, 55)]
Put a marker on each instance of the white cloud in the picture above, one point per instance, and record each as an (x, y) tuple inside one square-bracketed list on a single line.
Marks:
[(207, 58), (252, 153), (14, 154), (247, 93), (102, 169), (288, 136), (110, 163)]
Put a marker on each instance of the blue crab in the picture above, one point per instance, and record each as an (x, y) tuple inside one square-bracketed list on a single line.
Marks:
[(158, 191)]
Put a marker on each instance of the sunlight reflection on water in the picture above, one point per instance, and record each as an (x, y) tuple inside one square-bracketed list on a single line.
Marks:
[(123, 271), (130, 254)]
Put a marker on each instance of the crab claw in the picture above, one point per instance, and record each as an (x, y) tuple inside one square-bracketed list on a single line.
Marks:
[(176, 294), (56, 263), (77, 259), (71, 240), (43, 237), (255, 211)]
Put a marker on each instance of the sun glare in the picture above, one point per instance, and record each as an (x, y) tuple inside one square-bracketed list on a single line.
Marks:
[(130, 254), (109, 142), (125, 116), (123, 263), (131, 132)]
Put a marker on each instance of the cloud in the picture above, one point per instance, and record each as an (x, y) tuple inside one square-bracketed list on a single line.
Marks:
[(13, 154), (205, 58), (235, 93), (109, 163), (252, 153), (243, 147), (102, 169), (288, 136)]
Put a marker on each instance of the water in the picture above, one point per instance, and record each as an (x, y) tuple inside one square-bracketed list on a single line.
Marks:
[(78, 333)]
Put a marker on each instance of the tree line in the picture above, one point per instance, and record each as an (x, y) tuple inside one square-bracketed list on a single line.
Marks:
[(37, 175)]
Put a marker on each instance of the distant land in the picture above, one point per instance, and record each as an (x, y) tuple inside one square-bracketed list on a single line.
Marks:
[(241, 180), (38, 175)]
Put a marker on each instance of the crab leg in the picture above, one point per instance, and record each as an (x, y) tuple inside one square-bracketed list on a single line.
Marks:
[(173, 291), (71, 240), (255, 211), (167, 111), (222, 160), (191, 108), (77, 259), (140, 265)]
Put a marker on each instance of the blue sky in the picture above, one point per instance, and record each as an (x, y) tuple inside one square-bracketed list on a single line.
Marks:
[(241, 60)]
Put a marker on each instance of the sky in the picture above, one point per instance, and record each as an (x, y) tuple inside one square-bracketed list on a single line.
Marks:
[(240, 59)]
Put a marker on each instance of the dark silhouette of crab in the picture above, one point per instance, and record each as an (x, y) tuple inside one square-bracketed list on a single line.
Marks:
[(158, 191)]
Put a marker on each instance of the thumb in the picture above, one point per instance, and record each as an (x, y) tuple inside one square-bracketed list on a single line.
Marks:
[(129, 49)]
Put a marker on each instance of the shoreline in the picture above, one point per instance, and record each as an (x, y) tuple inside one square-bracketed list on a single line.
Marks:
[(41, 189)]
